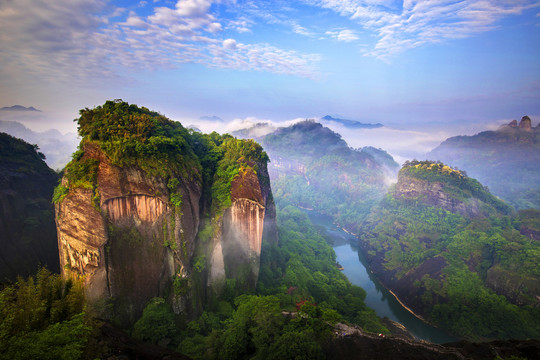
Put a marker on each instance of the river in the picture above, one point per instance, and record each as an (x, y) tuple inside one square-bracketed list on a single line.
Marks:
[(377, 297)]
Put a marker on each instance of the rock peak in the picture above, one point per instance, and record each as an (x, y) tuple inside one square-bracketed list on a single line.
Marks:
[(513, 124), (525, 123)]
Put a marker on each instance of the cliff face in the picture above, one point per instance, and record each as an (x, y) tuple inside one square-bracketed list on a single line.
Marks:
[(434, 194), (132, 201), (250, 218), (134, 242), (27, 231)]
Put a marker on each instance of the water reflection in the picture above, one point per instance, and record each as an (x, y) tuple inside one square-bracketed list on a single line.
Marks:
[(377, 297)]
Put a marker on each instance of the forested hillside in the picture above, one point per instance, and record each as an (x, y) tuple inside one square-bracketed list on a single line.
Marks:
[(455, 254), (27, 230), (313, 167)]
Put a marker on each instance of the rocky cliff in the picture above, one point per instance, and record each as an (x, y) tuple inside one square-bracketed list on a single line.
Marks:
[(437, 184), (27, 231), (237, 249), (131, 202)]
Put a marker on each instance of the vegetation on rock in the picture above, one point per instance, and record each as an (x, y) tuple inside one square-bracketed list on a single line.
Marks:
[(452, 268), (506, 160), (313, 167)]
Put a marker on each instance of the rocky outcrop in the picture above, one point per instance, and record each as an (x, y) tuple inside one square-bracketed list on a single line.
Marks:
[(434, 194), (525, 123), (515, 287), (353, 343), (513, 124), (130, 243), (27, 229), (133, 244), (250, 218), (131, 202)]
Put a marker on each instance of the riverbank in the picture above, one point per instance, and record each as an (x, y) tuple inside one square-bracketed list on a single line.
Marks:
[(378, 297), (405, 306)]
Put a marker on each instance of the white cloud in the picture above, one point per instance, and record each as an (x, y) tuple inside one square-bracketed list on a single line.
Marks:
[(343, 35), (347, 36), (241, 25), (42, 41), (423, 22), (300, 30), (229, 44)]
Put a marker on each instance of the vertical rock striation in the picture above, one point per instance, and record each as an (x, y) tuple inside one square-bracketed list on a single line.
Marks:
[(249, 220), (131, 201), (132, 245)]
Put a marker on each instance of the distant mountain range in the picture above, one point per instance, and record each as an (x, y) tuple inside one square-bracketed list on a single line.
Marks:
[(351, 123), (19, 108), (506, 160), (56, 147), (313, 167), (211, 118)]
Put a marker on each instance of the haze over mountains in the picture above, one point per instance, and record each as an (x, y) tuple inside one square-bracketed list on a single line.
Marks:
[(507, 160), (145, 201)]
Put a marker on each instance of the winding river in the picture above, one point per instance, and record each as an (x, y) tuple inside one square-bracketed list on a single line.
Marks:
[(377, 298)]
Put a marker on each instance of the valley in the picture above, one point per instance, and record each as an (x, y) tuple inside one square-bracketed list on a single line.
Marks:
[(221, 248)]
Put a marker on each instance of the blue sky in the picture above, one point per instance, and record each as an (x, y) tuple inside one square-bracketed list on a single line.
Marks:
[(407, 64)]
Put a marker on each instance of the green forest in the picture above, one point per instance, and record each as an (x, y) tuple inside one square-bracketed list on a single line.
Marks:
[(299, 296), (335, 179), (404, 234)]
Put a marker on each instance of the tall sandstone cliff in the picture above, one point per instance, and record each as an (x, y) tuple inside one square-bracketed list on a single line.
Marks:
[(133, 233)]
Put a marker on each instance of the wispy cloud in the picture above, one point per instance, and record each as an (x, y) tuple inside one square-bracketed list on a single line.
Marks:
[(417, 22), (345, 35), (82, 40)]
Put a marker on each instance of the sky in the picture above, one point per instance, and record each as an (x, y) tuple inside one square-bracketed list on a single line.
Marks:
[(425, 69)]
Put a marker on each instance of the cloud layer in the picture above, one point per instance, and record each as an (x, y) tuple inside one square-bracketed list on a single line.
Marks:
[(66, 40), (403, 25)]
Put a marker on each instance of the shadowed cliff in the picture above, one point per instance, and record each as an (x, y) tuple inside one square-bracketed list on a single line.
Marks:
[(27, 231)]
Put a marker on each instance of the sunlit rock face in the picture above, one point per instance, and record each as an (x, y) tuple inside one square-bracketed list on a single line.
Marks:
[(434, 194), (131, 244), (249, 220)]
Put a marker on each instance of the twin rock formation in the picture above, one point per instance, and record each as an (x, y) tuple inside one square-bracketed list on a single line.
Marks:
[(130, 243)]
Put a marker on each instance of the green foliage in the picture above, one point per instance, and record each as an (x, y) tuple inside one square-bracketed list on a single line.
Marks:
[(298, 277), (21, 156), (130, 135), (462, 185), (157, 322), (180, 285), (303, 267), (60, 192), (43, 318), (238, 155), (406, 235), (316, 169), (200, 263)]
